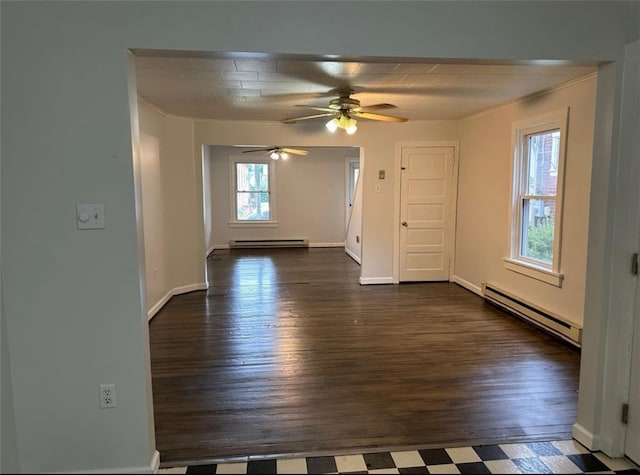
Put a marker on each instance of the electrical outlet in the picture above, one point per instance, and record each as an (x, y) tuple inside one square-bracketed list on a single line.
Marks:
[(107, 396)]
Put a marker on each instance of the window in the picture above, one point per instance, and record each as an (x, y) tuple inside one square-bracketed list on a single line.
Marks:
[(536, 215), (253, 192)]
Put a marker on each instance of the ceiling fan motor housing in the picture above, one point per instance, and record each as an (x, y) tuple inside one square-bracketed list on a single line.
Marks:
[(344, 103)]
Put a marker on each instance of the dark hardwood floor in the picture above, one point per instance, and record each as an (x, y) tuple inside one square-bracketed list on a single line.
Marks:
[(287, 354)]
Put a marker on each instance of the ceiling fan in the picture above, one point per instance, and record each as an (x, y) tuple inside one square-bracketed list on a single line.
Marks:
[(344, 110), (277, 153)]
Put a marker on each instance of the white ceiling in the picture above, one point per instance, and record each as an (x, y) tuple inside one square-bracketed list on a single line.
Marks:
[(260, 87)]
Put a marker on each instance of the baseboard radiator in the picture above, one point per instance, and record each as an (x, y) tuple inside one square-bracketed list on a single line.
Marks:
[(544, 319), (265, 243)]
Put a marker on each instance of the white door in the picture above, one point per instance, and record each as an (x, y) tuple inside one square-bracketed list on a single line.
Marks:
[(425, 209), (353, 170)]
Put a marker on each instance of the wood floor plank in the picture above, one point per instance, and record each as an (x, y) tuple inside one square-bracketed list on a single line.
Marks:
[(287, 354)]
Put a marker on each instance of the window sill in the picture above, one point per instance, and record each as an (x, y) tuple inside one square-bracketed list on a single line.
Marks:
[(253, 224), (534, 272)]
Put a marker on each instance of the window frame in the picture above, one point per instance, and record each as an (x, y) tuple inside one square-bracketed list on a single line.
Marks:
[(521, 130), (233, 192)]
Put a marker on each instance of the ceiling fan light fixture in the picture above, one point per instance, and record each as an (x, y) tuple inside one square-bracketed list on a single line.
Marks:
[(332, 125), (279, 154), (345, 122), (352, 126)]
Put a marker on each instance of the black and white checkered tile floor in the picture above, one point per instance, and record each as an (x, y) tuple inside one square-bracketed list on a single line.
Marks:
[(564, 456)]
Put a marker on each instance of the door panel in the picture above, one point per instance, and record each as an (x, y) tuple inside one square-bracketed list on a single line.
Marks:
[(428, 237), (425, 203), (425, 188), (429, 213), (419, 261)]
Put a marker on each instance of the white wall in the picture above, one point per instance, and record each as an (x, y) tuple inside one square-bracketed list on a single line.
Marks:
[(152, 141), (484, 199), (183, 199), (309, 190), (168, 193), (74, 305)]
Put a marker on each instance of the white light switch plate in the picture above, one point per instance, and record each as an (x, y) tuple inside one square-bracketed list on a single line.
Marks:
[(90, 216)]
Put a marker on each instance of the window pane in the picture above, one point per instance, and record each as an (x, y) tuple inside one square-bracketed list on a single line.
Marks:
[(252, 177), (252, 206), (538, 219), (542, 164)]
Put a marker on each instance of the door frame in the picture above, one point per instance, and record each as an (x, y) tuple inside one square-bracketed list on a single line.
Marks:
[(611, 290), (631, 358), (397, 164)]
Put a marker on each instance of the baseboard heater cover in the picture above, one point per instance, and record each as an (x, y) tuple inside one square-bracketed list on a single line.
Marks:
[(544, 319), (263, 243)]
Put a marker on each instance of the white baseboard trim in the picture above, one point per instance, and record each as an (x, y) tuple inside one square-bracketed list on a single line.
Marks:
[(311, 244), (190, 288), (375, 280), (352, 255), (161, 303), (467, 285), (210, 250), (326, 244), (153, 467), (585, 437), (177, 291), (155, 462)]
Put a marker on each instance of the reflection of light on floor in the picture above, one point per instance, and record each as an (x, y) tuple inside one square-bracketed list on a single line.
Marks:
[(253, 306), (253, 271), (290, 357), (264, 334)]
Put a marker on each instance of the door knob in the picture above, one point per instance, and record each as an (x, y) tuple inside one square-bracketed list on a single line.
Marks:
[(404, 223)]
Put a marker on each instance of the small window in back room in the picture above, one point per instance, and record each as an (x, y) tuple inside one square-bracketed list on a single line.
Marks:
[(253, 194)]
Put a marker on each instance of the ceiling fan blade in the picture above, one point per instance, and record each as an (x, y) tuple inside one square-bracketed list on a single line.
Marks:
[(293, 120), (295, 151), (316, 108), (271, 149), (372, 116), (294, 96), (380, 106)]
